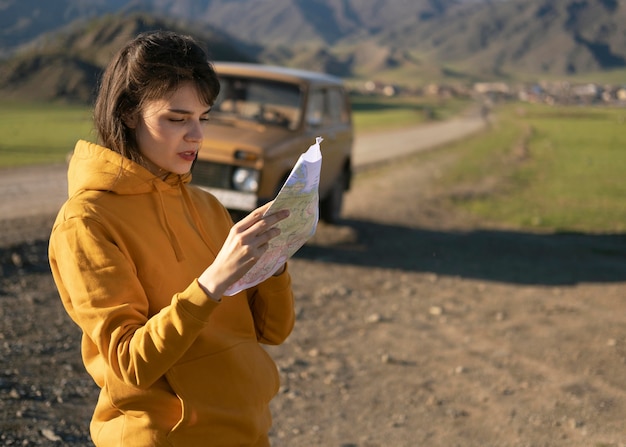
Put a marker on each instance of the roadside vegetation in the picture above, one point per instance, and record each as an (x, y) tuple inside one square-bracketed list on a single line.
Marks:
[(374, 113), (550, 168), (540, 167), (40, 133)]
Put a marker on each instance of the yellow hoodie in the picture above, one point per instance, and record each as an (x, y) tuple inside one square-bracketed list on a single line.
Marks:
[(174, 367)]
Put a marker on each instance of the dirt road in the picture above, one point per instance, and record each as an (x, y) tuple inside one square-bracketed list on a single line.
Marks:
[(374, 148), (416, 326)]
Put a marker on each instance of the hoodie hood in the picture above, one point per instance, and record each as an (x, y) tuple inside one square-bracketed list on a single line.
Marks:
[(96, 168)]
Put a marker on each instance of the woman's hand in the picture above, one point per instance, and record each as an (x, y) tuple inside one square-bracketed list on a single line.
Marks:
[(247, 241)]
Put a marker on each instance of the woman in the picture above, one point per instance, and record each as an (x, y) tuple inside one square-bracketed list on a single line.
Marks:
[(141, 260)]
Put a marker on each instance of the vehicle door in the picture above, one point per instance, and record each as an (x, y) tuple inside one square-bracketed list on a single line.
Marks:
[(328, 116)]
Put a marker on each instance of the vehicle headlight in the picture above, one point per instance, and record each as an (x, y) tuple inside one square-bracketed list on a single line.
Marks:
[(246, 179)]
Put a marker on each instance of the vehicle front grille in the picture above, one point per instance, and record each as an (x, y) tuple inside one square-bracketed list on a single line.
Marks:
[(214, 175)]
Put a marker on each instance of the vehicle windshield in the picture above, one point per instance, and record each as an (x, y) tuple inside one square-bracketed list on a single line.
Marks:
[(262, 101)]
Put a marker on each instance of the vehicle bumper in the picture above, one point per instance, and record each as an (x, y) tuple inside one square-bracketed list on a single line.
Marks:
[(234, 200)]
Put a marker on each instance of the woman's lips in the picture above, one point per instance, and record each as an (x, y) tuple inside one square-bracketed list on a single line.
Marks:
[(188, 155)]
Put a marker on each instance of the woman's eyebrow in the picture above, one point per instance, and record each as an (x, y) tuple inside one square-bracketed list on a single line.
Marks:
[(187, 112)]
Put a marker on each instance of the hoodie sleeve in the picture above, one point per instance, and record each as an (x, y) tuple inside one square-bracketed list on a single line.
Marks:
[(272, 306), (102, 294)]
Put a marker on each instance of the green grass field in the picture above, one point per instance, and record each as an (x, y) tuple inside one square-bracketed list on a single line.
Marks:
[(40, 133), (547, 168), (375, 113)]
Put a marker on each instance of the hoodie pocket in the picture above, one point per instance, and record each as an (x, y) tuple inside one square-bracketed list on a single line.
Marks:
[(225, 396)]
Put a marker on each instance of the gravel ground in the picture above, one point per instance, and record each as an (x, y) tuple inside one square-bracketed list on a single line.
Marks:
[(417, 326)]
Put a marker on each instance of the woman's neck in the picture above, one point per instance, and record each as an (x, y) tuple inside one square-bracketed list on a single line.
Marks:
[(154, 169)]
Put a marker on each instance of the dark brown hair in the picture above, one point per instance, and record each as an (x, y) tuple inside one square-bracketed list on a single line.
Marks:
[(150, 67)]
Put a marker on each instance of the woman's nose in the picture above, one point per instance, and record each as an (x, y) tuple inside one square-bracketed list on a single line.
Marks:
[(195, 132)]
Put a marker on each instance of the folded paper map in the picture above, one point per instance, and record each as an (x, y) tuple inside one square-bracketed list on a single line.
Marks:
[(300, 196)]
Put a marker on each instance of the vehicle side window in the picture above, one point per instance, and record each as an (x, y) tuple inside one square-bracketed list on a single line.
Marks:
[(327, 107), (337, 106), (315, 108)]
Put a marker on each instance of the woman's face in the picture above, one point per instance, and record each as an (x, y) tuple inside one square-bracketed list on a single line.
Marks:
[(169, 131)]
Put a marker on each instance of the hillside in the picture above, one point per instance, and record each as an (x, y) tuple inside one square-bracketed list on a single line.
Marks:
[(402, 41), (276, 22), (535, 37), (67, 64)]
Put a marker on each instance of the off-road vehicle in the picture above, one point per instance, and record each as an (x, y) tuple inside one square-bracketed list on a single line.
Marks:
[(262, 120)]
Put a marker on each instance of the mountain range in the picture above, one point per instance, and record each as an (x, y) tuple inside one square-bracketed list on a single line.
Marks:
[(58, 48)]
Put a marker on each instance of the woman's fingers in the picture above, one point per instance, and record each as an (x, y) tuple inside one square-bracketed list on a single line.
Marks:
[(254, 216), (256, 223), (245, 244), (258, 215)]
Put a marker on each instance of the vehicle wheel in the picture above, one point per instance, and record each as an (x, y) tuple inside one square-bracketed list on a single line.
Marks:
[(330, 206)]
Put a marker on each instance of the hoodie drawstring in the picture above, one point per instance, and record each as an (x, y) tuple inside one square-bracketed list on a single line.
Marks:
[(198, 221), (180, 256)]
